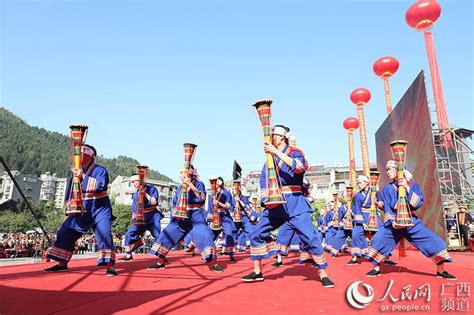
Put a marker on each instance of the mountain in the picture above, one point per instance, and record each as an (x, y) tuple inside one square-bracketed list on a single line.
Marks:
[(33, 150)]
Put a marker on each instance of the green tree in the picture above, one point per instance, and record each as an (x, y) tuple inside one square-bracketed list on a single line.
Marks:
[(316, 214), (123, 218)]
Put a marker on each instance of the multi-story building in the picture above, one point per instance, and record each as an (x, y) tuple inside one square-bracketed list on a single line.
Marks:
[(53, 188), (250, 184), (29, 184), (48, 186), (121, 191), (60, 193)]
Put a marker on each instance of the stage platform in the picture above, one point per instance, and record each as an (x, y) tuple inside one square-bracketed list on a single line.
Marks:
[(188, 287)]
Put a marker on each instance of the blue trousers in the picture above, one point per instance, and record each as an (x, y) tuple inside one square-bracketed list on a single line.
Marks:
[(359, 242), (322, 237), (178, 229), (339, 240), (229, 230), (244, 237), (63, 247), (188, 241), (262, 246), (133, 236), (286, 239), (430, 244), (330, 234)]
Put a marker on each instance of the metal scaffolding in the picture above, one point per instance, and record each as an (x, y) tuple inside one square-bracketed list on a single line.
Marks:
[(454, 160)]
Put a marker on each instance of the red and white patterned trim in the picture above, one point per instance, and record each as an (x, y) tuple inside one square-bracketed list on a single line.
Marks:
[(208, 251), (160, 249), (319, 259), (299, 167), (262, 249), (60, 253), (375, 255), (441, 256), (388, 217), (92, 184), (106, 254), (415, 199)]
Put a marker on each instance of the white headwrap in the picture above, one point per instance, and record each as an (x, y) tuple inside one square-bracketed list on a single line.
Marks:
[(363, 178), (278, 130), (88, 151), (391, 164), (134, 178)]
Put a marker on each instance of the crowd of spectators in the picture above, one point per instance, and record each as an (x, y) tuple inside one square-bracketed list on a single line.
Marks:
[(17, 245), (13, 245)]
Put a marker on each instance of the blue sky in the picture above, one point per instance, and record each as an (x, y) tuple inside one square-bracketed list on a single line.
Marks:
[(147, 76)]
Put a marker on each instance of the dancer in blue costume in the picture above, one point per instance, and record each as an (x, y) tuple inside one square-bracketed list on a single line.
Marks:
[(152, 218), (291, 166), (94, 180), (385, 240)]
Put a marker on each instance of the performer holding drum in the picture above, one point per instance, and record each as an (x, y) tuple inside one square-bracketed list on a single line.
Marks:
[(402, 196), (188, 217), (292, 208), (145, 215), (88, 206)]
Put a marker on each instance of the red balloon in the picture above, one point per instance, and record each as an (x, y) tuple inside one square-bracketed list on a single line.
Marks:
[(423, 14), (360, 96), (351, 124), (385, 67)]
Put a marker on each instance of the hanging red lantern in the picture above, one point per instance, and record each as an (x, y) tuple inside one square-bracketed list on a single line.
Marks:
[(351, 124), (360, 96), (423, 14), (385, 67)]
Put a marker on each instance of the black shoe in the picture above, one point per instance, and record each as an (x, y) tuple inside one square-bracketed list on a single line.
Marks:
[(110, 272), (156, 266), (277, 264), (217, 268), (253, 277), (232, 259), (352, 262), (445, 275), (189, 250), (56, 268), (373, 273), (390, 262), (166, 260), (327, 283), (193, 254), (126, 258)]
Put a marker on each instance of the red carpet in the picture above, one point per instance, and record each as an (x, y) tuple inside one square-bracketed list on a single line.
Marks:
[(187, 286)]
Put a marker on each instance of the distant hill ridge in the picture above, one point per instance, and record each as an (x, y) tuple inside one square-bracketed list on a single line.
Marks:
[(33, 150)]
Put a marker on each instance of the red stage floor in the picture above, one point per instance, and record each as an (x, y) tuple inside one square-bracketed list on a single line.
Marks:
[(186, 286)]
